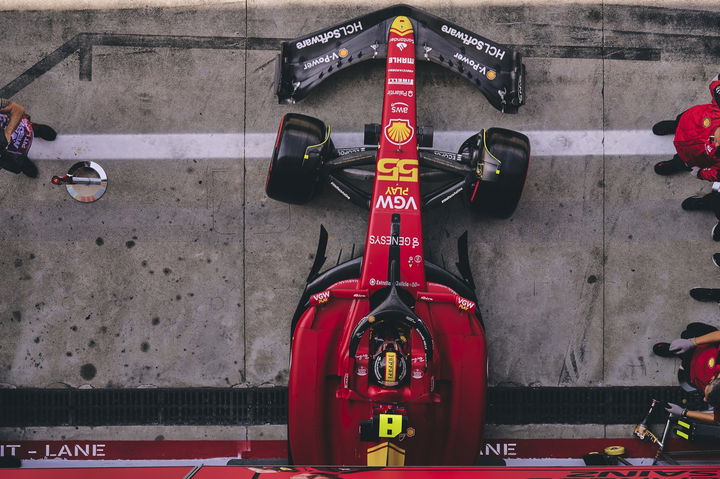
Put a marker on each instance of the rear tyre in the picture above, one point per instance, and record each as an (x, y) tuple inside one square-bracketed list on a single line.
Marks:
[(294, 173), (504, 157)]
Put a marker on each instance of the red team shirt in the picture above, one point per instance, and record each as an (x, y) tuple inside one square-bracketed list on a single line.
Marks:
[(692, 138)]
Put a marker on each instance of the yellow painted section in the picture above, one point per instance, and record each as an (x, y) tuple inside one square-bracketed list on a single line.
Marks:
[(385, 454), (401, 26), (390, 425)]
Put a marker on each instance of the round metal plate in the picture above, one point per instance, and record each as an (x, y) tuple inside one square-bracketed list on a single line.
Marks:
[(88, 172)]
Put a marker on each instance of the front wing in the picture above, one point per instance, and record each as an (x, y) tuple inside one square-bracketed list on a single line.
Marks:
[(496, 70)]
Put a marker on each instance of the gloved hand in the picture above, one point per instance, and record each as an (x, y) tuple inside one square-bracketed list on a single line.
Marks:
[(680, 346), (3, 141), (674, 409), (694, 171)]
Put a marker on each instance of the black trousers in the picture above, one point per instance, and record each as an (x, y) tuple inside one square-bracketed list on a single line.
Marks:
[(13, 162)]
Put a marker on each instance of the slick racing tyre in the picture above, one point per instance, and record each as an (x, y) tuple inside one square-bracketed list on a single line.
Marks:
[(501, 158), (300, 148)]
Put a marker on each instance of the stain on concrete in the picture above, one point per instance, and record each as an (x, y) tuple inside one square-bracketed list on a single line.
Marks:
[(18, 262), (145, 347), (167, 271), (99, 241), (155, 321), (130, 244), (88, 371), (592, 279), (16, 316)]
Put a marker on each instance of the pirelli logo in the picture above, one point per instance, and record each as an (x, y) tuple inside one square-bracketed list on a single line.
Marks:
[(395, 169), (390, 367)]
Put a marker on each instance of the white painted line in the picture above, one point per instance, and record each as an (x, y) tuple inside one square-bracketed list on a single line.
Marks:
[(212, 146)]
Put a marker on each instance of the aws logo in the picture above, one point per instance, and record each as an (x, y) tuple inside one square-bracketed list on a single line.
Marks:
[(395, 169), (399, 132)]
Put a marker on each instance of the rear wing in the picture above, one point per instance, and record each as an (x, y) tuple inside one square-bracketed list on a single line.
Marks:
[(496, 70)]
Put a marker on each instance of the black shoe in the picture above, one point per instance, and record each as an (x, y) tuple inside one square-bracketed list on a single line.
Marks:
[(29, 169), (705, 294), (663, 349), (699, 203), (43, 131), (665, 127), (671, 166)]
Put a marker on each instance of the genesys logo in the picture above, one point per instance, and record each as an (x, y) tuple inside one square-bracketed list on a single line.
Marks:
[(395, 169), (389, 240)]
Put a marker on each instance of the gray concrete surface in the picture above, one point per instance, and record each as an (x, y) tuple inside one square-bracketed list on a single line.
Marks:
[(186, 274)]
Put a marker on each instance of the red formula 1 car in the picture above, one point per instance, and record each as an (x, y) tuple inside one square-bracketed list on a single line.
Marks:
[(388, 355)]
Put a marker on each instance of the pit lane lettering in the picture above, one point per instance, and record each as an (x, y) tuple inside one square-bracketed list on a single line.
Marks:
[(349, 29), (394, 169), (499, 449), (65, 451), (396, 203), (320, 60), (399, 107), (406, 61), (405, 93), (401, 81), (488, 48), (482, 69), (388, 240), (645, 473)]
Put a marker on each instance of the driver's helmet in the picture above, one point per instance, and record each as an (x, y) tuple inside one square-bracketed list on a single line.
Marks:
[(389, 365)]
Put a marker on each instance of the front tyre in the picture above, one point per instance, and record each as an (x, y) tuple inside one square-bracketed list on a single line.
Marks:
[(300, 149), (501, 158)]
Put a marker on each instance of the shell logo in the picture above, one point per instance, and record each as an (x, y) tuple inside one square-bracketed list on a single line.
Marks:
[(711, 363), (491, 75), (343, 52), (399, 132), (706, 122)]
